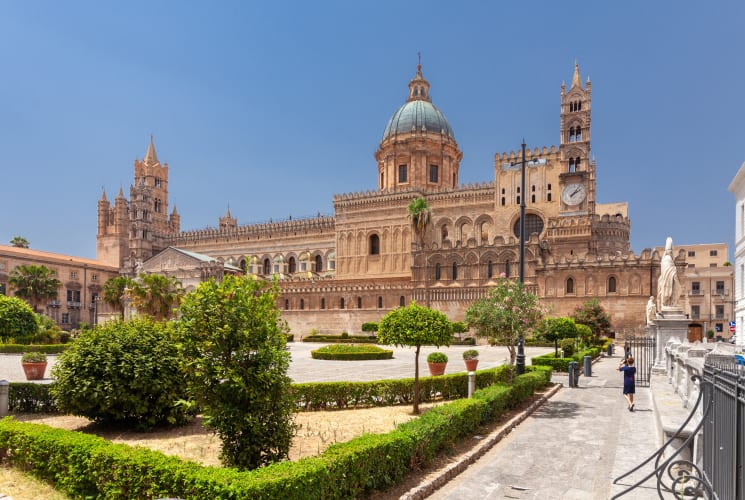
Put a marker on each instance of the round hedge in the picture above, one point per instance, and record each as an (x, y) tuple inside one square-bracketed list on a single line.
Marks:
[(344, 352), (17, 320)]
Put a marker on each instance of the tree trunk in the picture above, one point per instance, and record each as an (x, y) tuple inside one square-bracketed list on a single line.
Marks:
[(416, 380)]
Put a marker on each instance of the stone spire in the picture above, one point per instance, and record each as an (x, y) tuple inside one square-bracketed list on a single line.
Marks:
[(576, 80), (151, 158), (418, 86), (103, 195)]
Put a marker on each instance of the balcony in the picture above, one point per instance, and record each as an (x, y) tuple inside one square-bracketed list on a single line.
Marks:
[(73, 305), (694, 292), (53, 303)]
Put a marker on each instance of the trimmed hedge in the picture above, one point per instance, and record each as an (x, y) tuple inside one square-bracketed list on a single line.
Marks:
[(351, 353), (87, 466), (562, 364), (350, 339), (27, 397), (21, 348)]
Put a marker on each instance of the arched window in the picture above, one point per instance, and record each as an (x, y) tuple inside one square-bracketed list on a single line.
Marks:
[(455, 271), (323, 303), (533, 224), (319, 264), (571, 134), (489, 269), (382, 176), (507, 269), (444, 233), (287, 304), (291, 265), (438, 272), (359, 302), (267, 267), (571, 164), (401, 301), (374, 244), (578, 135), (577, 164), (532, 198), (504, 202), (341, 303), (570, 285), (302, 304), (242, 264), (380, 302), (612, 284)]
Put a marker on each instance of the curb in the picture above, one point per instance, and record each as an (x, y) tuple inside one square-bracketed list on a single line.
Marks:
[(445, 474)]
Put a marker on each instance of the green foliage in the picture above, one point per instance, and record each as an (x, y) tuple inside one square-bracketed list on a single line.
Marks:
[(17, 320), (114, 290), (420, 216), (353, 352), (122, 373), (48, 332), (34, 357), (370, 327), (19, 242), (459, 327), (28, 397), (157, 296), (437, 357), (233, 344), (21, 348), (567, 345), (556, 329), (506, 313), (470, 354), (35, 284), (416, 326), (592, 314), (351, 339), (585, 333)]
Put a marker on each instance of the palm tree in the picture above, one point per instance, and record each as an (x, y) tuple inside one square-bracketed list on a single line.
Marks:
[(420, 216), (156, 295), (19, 242), (35, 284), (114, 290)]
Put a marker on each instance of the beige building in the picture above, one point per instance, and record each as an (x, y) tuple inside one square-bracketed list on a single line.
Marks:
[(336, 272), (81, 283)]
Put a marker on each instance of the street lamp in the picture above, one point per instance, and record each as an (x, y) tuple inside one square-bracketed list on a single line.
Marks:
[(96, 301)]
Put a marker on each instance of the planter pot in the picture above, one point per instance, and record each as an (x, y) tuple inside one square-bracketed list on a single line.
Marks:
[(471, 364), (436, 368), (34, 371)]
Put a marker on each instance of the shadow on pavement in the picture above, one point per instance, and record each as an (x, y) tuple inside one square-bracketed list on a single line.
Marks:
[(557, 409)]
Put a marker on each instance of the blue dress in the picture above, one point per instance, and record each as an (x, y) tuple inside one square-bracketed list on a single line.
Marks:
[(629, 381)]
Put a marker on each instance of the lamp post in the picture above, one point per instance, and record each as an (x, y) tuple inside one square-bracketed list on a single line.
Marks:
[(520, 358), (96, 301)]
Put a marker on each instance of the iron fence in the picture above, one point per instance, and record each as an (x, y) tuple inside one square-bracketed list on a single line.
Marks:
[(642, 349)]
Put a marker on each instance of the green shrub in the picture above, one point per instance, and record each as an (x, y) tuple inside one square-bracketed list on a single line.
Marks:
[(27, 397), (351, 352), (567, 345), (369, 327), (459, 326), (437, 357), (344, 335), (34, 357), (470, 354), (124, 373), (18, 322), (351, 339)]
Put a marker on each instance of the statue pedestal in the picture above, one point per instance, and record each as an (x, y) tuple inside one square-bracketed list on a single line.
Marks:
[(670, 323)]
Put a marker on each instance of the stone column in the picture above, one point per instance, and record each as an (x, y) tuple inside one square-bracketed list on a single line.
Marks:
[(670, 323)]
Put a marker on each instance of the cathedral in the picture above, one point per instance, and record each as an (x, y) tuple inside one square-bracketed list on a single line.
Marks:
[(337, 272)]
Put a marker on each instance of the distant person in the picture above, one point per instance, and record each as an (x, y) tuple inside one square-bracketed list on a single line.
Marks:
[(629, 380), (626, 351)]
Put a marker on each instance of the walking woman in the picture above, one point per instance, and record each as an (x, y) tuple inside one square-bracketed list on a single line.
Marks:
[(629, 380)]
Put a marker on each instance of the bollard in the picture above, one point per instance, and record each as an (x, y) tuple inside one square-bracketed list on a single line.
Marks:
[(471, 383), (571, 373), (588, 366), (610, 350), (4, 386)]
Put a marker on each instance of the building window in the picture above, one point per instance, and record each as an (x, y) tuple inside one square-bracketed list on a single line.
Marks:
[(287, 304), (157, 205), (157, 182), (319, 264), (359, 302), (438, 271), (507, 269), (291, 265), (401, 301), (720, 287), (433, 173), (712, 253), (374, 244), (548, 197), (533, 224), (402, 177), (94, 277), (489, 269), (73, 275), (570, 286), (691, 253), (455, 271), (323, 303), (302, 304), (444, 233), (690, 266), (532, 198), (267, 267), (612, 284), (341, 303), (695, 312), (719, 311), (73, 296), (382, 176), (695, 287), (380, 302), (65, 318), (504, 201)]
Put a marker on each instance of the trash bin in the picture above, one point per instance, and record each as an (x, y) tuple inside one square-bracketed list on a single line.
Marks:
[(588, 366), (610, 350)]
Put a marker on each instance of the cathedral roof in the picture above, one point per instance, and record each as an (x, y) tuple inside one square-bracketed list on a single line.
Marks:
[(418, 113)]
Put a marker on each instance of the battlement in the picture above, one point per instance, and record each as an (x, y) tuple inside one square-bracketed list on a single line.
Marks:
[(529, 154), (358, 198)]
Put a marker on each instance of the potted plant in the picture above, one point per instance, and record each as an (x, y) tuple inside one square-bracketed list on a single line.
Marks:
[(471, 358), (437, 362), (34, 365)]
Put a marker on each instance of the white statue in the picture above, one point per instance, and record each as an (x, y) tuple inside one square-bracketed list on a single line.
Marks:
[(668, 285), (651, 311)]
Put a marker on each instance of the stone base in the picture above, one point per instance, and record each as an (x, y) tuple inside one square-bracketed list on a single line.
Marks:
[(669, 324)]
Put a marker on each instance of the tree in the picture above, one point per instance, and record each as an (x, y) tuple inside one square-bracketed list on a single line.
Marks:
[(592, 314), (556, 329), (420, 216), (114, 290), (508, 312), (17, 320), (35, 284), (415, 326), (156, 296), (233, 345), (19, 241), (123, 373)]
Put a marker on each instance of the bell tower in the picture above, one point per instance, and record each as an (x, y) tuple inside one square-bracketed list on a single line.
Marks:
[(577, 178)]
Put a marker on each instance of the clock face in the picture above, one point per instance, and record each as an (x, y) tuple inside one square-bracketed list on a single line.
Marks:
[(574, 194)]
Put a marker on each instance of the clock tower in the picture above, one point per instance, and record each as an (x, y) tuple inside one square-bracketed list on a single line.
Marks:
[(577, 177)]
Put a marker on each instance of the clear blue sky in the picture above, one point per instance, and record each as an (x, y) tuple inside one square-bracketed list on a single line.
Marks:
[(274, 107)]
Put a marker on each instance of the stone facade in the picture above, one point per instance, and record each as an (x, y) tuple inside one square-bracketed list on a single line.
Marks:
[(336, 272)]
